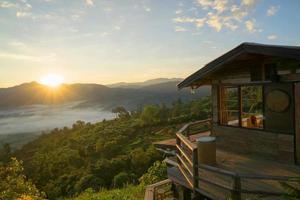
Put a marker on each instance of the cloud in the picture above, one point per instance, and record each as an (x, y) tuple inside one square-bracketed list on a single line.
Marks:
[(272, 10), (222, 14), (117, 28), (17, 44), (214, 21), (249, 3), (147, 9), (272, 37), (238, 13), (6, 4), (218, 5), (27, 57), (250, 25), (89, 2), (104, 34), (184, 19), (180, 29), (177, 12), (199, 22), (21, 14), (231, 26)]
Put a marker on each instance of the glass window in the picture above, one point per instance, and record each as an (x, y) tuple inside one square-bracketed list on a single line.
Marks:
[(252, 106), (230, 106)]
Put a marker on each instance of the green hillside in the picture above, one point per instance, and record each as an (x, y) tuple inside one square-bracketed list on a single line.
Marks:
[(107, 154)]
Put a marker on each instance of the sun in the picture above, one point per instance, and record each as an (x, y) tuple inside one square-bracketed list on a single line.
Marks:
[(52, 80)]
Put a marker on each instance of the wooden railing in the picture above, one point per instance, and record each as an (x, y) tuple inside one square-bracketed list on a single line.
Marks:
[(159, 191), (187, 151), (236, 190), (189, 167)]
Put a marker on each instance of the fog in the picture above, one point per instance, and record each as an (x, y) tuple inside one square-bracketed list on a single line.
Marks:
[(38, 118)]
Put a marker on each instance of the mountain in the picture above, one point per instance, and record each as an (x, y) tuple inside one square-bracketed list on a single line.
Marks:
[(145, 83), (149, 92)]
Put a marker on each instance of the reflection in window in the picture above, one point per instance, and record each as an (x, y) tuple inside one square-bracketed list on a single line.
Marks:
[(230, 106), (252, 106)]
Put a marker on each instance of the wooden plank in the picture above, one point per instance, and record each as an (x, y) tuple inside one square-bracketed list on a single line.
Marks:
[(217, 170), (150, 189), (185, 165), (237, 186), (255, 142), (185, 176), (183, 139), (176, 176), (184, 154), (195, 168)]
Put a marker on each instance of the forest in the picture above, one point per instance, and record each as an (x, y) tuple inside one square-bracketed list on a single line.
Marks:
[(111, 155)]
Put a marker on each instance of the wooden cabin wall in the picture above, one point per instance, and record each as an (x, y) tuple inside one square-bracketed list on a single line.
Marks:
[(215, 96), (279, 147), (233, 75), (265, 144)]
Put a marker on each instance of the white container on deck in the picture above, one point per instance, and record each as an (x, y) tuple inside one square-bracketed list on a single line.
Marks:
[(206, 150)]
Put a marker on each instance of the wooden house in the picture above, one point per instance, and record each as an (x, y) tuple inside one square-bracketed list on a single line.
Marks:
[(255, 91)]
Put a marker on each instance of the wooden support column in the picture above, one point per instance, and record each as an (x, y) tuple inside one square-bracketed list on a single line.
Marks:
[(297, 123), (195, 168), (195, 173), (237, 186)]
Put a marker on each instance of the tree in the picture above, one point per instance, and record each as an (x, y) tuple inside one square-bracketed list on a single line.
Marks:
[(5, 153), (121, 112), (150, 115), (177, 108), (122, 179), (89, 181), (15, 185), (157, 172)]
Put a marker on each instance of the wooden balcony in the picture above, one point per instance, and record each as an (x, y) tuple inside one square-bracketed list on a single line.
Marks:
[(234, 175)]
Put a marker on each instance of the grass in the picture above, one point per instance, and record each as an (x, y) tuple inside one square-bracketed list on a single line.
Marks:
[(130, 192)]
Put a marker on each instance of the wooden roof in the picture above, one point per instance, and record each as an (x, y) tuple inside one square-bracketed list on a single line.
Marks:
[(292, 52)]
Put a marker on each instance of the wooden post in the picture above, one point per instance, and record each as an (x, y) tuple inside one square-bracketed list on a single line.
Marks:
[(187, 132), (195, 168), (237, 186)]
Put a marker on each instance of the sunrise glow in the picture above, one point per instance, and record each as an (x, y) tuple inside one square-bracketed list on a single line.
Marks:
[(52, 80)]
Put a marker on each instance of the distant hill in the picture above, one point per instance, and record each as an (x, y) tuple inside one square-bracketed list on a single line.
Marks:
[(149, 92), (145, 83)]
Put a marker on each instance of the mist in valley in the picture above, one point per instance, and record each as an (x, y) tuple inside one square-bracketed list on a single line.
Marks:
[(22, 124)]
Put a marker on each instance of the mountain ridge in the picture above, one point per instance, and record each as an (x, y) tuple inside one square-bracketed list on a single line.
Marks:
[(162, 91)]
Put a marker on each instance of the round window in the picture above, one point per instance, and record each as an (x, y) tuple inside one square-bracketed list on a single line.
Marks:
[(277, 101)]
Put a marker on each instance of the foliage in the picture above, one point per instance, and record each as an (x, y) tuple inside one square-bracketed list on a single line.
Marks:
[(155, 173), (128, 193), (150, 115), (14, 184), (5, 154), (123, 178), (121, 112), (107, 154), (292, 190)]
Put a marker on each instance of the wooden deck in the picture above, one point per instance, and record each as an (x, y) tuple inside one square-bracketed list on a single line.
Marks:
[(171, 143), (238, 175), (242, 165)]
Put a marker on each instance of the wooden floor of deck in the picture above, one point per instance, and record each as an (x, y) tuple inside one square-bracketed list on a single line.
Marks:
[(171, 143)]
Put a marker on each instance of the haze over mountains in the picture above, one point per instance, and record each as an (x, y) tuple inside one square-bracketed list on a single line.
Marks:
[(130, 95), (144, 83)]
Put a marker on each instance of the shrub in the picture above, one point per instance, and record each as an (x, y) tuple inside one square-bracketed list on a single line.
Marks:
[(157, 172)]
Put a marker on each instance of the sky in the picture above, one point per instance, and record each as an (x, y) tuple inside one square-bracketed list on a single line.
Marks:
[(108, 41)]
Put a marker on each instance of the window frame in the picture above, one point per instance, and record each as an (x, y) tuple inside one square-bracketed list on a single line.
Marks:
[(239, 86)]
